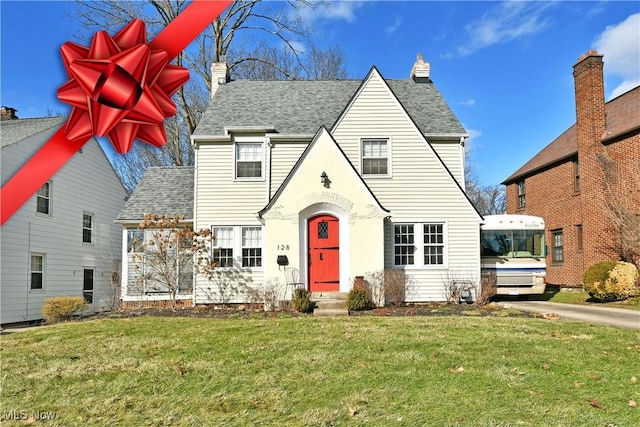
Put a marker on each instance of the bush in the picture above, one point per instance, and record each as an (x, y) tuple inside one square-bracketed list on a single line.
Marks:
[(301, 301), (611, 281), (61, 309), (358, 299)]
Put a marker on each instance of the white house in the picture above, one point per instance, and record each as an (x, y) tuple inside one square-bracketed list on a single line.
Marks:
[(332, 180), (62, 241)]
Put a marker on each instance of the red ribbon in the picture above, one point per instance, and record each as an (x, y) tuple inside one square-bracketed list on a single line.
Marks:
[(120, 87)]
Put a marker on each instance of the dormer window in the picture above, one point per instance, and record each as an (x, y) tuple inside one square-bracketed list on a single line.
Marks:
[(375, 156), (249, 160)]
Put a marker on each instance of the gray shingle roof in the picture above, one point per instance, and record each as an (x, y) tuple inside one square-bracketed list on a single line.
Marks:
[(302, 106), (162, 190), (12, 131)]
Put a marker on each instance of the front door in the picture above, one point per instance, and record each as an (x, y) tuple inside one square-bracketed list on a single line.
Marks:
[(324, 253)]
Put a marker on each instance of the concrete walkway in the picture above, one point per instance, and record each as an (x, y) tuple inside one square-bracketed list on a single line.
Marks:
[(587, 313)]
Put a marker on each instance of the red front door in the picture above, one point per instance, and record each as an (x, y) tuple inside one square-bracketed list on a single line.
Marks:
[(324, 253)]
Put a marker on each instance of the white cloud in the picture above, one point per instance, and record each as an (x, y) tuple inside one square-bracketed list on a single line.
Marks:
[(393, 27), (504, 22), (468, 102), (331, 10), (620, 45)]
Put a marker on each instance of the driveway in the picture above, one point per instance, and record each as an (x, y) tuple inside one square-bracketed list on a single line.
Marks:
[(604, 315)]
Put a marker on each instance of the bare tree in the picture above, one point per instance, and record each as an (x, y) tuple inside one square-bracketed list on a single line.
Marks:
[(169, 249), (487, 199), (245, 34), (621, 185)]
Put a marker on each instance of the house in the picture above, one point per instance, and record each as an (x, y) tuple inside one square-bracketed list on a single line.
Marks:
[(314, 183), (62, 241), (579, 181)]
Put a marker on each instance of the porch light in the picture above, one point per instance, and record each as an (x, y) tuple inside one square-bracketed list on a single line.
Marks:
[(324, 179)]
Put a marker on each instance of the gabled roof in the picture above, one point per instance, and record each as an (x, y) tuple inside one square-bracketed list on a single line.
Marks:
[(623, 116), (298, 107), (162, 190), (320, 133), (12, 131)]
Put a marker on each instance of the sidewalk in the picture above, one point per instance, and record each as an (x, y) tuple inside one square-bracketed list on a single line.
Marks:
[(619, 317)]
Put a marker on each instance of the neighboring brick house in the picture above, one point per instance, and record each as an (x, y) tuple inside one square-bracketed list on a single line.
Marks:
[(565, 182)]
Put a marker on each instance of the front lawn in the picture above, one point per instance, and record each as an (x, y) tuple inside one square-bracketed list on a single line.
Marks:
[(359, 371)]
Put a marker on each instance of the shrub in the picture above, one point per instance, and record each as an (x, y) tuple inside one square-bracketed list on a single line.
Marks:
[(358, 299), (301, 301), (611, 281), (61, 309)]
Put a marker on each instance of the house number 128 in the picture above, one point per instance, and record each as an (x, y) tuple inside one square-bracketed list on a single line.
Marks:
[(283, 247)]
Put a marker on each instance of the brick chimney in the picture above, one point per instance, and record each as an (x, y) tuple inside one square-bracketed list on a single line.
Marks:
[(589, 89), (590, 127), (8, 113), (219, 74), (420, 71)]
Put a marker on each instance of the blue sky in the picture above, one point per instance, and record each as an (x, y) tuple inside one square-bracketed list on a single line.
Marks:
[(505, 68)]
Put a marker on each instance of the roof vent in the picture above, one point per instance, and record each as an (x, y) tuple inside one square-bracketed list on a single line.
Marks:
[(421, 70)]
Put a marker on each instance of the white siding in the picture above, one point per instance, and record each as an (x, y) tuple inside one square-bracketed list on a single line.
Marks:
[(283, 157), (420, 188), (222, 200), (451, 153), (87, 183)]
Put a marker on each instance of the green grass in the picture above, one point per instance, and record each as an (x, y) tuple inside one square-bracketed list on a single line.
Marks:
[(362, 371), (583, 298)]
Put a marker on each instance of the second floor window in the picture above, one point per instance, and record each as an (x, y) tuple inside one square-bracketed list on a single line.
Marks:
[(249, 160), (87, 228), (576, 176), (375, 157), (43, 199), (521, 194)]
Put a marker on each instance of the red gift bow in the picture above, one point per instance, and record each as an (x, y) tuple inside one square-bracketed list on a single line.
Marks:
[(119, 87)]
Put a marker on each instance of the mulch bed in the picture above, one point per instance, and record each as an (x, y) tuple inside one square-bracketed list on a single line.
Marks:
[(246, 311)]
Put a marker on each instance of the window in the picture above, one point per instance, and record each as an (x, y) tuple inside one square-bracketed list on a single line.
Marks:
[(579, 237), (576, 176), (404, 247), (87, 228), (521, 191), (249, 160), (251, 247), (432, 251), (375, 157), (87, 285), (433, 244), (43, 199), (37, 272), (223, 246), (323, 230), (135, 241), (243, 242), (557, 252)]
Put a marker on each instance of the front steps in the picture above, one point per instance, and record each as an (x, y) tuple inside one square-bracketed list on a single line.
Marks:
[(330, 304)]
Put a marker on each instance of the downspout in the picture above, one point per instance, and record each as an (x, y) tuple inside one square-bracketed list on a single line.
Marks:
[(26, 309), (268, 172), (462, 162)]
